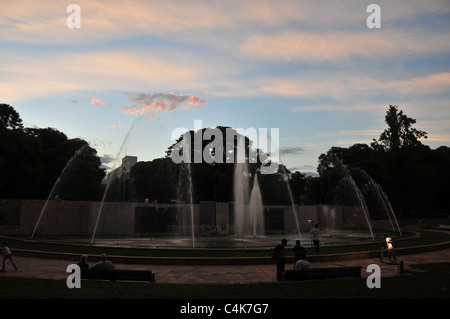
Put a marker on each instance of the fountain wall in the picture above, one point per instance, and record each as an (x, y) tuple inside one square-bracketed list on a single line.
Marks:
[(71, 218)]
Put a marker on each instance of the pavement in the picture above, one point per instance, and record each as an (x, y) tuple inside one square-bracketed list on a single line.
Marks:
[(218, 274)]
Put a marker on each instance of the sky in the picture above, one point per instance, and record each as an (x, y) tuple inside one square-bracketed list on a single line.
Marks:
[(134, 72)]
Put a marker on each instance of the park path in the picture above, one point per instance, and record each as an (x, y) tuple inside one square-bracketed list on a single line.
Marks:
[(217, 274)]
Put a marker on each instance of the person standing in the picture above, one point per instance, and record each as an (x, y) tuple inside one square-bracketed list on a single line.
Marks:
[(315, 237), (278, 255)]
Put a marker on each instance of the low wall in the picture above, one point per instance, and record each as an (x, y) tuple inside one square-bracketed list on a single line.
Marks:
[(72, 218)]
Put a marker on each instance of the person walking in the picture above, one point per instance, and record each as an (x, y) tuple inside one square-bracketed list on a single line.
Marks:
[(6, 253), (278, 255)]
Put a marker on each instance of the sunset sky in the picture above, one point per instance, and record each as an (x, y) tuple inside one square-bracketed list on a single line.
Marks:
[(137, 70)]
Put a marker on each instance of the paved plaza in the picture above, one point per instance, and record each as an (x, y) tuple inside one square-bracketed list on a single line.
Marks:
[(219, 274)]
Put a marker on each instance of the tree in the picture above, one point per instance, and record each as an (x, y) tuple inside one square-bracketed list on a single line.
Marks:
[(414, 177), (81, 177), (9, 118), (155, 180), (32, 160), (399, 133)]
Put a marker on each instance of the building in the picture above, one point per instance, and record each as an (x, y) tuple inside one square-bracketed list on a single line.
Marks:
[(127, 163)]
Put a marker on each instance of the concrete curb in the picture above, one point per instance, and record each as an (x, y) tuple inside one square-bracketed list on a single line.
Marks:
[(226, 260)]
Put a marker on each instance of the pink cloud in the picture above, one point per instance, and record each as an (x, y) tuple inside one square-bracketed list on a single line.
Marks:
[(196, 102), (128, 110), (151, 104), (115, 126), (95, 100)]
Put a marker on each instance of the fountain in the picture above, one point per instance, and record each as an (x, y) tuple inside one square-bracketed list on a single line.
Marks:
[(360, 199), (294, 210), (191, 204), (381, 195), (248, 210), (52, 192), (365, 190), (291, 197), (109, 182), (256, 209), (249, 215)]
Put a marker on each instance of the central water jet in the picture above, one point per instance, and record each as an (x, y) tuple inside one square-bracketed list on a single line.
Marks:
[(248, 206)]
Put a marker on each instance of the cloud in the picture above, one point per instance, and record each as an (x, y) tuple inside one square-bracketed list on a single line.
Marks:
[(30, 76), (106, 160), (349, 92), (34, 21), (439, 137), (337, 46), (95, 100), (115, 126), (151, 104), (290, 150), (308, 170)]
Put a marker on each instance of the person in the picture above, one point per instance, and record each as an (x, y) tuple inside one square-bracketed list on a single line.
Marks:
[(104, 264), (315, 237), (278, 255), (299, 253), (6, 253), (83, 262), (388, 245)]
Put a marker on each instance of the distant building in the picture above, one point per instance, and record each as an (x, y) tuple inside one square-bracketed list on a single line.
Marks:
[(127, 163)]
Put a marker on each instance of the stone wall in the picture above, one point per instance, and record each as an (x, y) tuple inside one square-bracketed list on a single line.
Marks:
[(67, 218)]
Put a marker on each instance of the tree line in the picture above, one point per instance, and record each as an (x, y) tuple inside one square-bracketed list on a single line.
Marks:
[(33, 162), (414, 177)]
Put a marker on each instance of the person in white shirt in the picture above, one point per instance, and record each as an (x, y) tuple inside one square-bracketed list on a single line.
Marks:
[(315, 237), (6, 253)]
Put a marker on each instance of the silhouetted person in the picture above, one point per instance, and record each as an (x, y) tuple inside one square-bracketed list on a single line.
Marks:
[(104, 264), (83, 262), (298, 251), (278, 255)]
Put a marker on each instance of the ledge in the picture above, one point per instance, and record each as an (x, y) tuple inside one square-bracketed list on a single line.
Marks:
[(226, 260)]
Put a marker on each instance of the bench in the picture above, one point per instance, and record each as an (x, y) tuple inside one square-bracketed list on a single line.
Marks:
[(444, 227), (322, 273), (118, 274)]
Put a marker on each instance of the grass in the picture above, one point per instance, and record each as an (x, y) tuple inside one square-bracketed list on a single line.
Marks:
[(430, 281)]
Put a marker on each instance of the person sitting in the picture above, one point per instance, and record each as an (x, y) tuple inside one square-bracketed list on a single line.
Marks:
[(104, 264), (301, 264), (83, 262), (299, 252)]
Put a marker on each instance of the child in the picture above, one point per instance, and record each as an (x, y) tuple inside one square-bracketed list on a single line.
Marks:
[(6, 253)]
